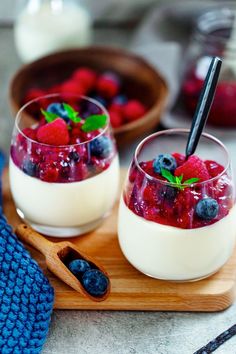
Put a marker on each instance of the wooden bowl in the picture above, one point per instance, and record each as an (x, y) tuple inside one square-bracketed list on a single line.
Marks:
[(140, 79)]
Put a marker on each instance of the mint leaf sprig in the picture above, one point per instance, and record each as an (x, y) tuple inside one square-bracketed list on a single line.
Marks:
[(90, 124), (177, 180), (71, 113)]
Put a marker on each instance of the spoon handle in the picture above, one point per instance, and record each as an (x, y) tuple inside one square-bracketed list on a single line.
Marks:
[(32, 238), (203, 105)]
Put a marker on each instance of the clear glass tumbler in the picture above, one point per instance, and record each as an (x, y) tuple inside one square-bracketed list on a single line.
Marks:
[(160, 229), (63, 190)]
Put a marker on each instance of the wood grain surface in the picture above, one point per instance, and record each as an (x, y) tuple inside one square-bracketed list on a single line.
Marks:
[(131, 290)]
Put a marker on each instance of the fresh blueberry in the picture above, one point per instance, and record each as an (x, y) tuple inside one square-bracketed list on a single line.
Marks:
[(207, 208), (95, 282), (101, 147), (30, 168), (74, 156), (78, 266), (120, 99), (166, 162), (58, 108), (168, 193)]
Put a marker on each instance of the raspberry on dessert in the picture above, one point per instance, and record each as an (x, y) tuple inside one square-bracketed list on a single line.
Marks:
[(85, 77), (165, 161), (147, 166), (214, 169), (48, 172), (78, 267), (179, 158), (30, 133), (95, 282), (194, 167), (133, 110), (115, 119), (207, 208), (107, 86), (101, 147), (57, 108), (54, 133), (184, 208)]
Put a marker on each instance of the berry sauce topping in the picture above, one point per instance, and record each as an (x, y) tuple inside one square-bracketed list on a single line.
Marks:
[(173, 191), (65, 146), (106, 87)]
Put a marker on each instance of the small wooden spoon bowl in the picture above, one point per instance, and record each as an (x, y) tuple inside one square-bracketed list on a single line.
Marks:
[(57, 255)]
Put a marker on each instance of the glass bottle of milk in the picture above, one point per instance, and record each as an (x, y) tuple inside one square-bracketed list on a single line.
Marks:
[(45, 26)]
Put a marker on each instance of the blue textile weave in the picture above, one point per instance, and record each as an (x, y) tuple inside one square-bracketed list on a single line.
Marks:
[(26, 297)]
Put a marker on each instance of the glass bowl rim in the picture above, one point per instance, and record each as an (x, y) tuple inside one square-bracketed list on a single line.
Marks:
[(18, 117), (185, 131)]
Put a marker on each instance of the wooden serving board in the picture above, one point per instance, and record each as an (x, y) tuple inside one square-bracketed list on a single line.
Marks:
[(131, 290)]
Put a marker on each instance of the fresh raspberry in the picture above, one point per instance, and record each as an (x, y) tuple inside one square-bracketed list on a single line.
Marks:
[(30, 133), (194, 167), (71, 86), (54, 89), (133, 110), (179, 158), (54, 133), (116, 119), (214, 168), (85, 77), (116, 107), (107, 87), (34, 93)]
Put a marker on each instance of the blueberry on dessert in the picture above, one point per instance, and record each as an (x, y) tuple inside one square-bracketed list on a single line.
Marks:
[(207, 208), (165, 161), (58, 109), (101, 147)]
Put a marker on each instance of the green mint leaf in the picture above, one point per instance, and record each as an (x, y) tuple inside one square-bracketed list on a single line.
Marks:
[(94, 122), (181, 178), (49, 116), (191, 181), (168, 175), (177, 180), (72, 114)]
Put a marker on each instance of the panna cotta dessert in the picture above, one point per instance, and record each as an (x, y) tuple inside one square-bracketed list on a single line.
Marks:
[(64, 168), (177, 216)]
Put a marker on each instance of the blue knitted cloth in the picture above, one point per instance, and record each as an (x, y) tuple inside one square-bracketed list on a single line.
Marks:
[(26, 297)]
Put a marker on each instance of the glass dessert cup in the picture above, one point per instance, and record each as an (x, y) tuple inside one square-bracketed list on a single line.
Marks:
[(64, 190), (159, 230)]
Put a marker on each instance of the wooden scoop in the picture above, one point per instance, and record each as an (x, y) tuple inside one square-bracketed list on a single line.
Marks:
[(57, 254)]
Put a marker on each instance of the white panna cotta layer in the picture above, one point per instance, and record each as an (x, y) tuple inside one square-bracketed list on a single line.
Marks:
[(64, 204), (171, 253)]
